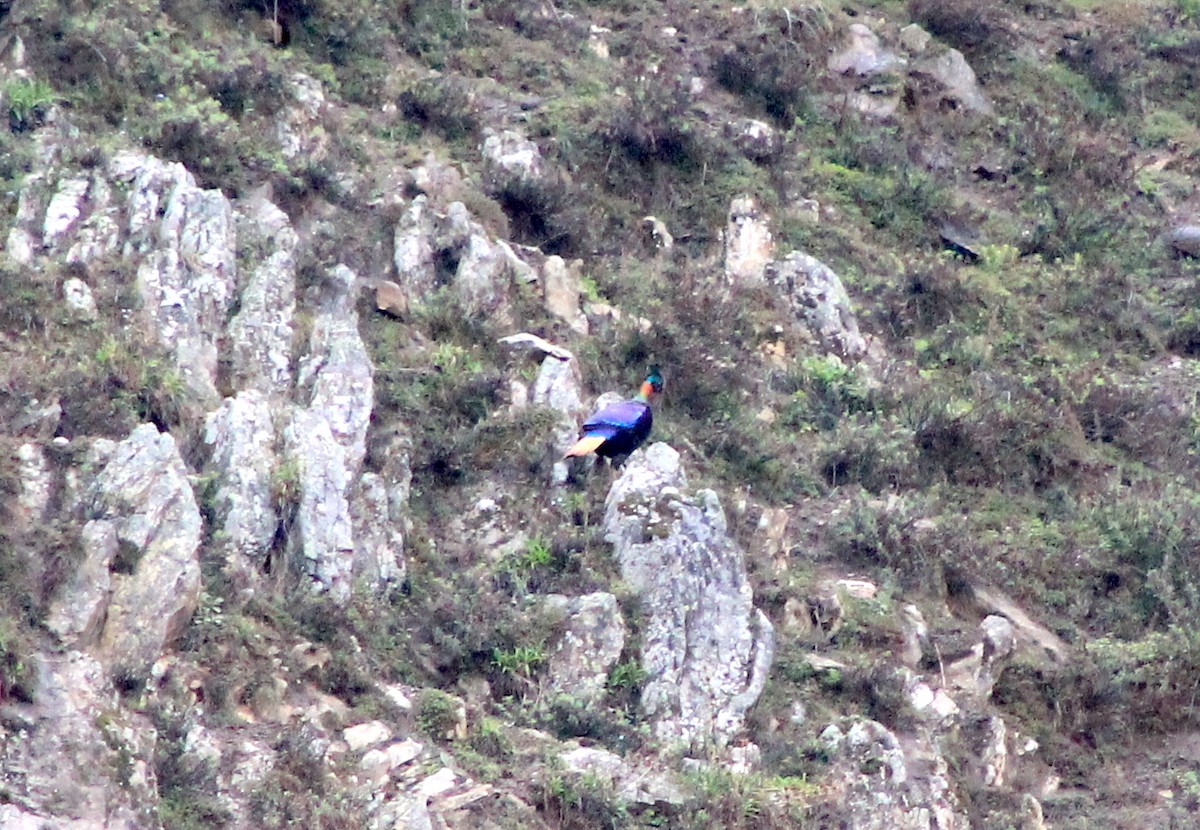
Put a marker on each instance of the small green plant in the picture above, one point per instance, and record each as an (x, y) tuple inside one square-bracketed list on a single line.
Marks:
[(28, 100), (285, 483), (439, 715), (521, 661), (627, 675)]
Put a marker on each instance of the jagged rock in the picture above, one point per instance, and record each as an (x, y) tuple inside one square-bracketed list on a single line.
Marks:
[(916, 635), (298, 130), (77, 296), (864, 55), (362, 735), (757, 140), (561, 285), (187, 275), (748, 242), (322, 548), (379, 513), (39, 421), (914, 38), (819, 299), (142, 502), (630, 782), (659, 238), (78, 761), (588, 644), (1185, 239), (242, 436), (414, 256), (706, 649), (956, 79), (559, 387), (260, 334), (36, 482), (511, 160), (989, 739), (337, 373), (483, 268), (483, 272), (870, 781)]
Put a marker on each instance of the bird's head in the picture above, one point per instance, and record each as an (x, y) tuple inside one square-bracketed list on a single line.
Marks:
[(652, 385)]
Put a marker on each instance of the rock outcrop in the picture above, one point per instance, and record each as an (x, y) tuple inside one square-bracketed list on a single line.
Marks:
[(706, 649)]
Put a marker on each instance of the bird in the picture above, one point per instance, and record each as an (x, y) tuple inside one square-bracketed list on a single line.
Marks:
[(620, 428)]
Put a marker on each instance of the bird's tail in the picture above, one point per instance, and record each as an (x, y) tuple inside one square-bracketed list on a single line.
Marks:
[(586, 444)]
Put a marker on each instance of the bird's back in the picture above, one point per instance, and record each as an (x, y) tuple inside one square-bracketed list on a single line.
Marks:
[(624, 425)]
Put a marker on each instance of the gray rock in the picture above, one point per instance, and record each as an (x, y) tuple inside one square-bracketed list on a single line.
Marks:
[(588, 644), (298, 129), (559, 387), (142, 495), (187, 274), (336, 378), (82, 762), (870, 780), (510, 159), (749, 246), (77, 296), (561, 286), (757, 140), (1185, 239), (260, 334), (957, 80), (706, 649), (36, 483), (819, 299), (864, 55), (242, 437), (414, 256), (379, 513), (630, 781)]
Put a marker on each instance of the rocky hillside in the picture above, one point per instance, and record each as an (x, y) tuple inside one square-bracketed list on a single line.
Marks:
[(304, 300)]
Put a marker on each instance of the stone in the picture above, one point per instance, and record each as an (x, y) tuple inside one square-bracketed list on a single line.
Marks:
[(820, 301), (588, 644), (298, 129), (559, 387), (241, 434), (749, 245), (510, 159), (187, 273), (870, 782), (260, 334), (362, 735), (956, 79), (914, 38), (36, 483), (561, 286), (757, 140), (143, 498), (706, 650), (630, 781), (1185, 239), (77, 296), (864, 55), (413, 254)]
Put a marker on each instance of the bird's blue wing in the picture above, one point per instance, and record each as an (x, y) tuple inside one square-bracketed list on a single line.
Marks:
[(615, 417)]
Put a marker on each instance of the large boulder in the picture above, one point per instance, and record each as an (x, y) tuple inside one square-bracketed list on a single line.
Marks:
[(139, 581), (706, 649)]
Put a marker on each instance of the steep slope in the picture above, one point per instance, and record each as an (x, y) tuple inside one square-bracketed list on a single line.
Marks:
[(304, 302)]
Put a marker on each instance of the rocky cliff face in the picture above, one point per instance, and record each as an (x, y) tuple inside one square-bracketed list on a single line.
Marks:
[(297, 328)]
